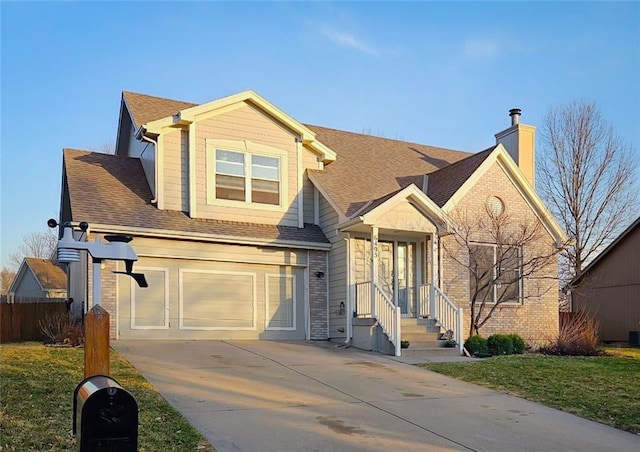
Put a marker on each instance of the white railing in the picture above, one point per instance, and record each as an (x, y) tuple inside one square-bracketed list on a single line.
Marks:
[(363, 299), (388, 317), (448, 315), (432, 302), (424, 300)]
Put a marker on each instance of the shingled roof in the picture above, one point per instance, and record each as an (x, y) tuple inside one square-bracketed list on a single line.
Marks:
[(369, 167), (113, 190), (144, 108), (49, 275), (445, 182)]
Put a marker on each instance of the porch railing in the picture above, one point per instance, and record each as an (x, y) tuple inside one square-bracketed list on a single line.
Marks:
[(441, 309), (388, 317), (363, 299), (385, 312)]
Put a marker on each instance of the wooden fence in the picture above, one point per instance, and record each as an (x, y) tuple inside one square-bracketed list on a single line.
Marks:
[(19, 319)]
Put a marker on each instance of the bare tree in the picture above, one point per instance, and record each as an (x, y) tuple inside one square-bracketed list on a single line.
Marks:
[(108, 147), (6, 276), (500, 254), (587, 176), (36, 244)]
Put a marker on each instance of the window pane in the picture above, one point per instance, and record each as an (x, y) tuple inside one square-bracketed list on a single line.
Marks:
[(231, 168), (230, 187), (228, 156), (508, 277), (481, 267), (265, 167), (265, 192)]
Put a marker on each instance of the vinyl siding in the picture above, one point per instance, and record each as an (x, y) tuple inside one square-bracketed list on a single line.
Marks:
[(145, 151), (405, 217), (246, 123), (337, 269), (29, 286), (176, 171), (610, 290), (218, 252), (310, 161)]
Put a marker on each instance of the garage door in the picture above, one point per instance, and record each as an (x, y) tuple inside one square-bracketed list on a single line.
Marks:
[(212, 300)]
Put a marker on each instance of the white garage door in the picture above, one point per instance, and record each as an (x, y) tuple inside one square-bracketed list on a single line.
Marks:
[(212, 300)]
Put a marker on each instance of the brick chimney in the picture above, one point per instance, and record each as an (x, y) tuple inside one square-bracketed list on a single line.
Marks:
[(520, 142)]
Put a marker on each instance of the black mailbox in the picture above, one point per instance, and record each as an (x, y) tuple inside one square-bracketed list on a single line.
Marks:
[(105, 416)]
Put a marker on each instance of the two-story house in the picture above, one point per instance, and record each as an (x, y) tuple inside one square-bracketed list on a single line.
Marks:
[(251, 225)]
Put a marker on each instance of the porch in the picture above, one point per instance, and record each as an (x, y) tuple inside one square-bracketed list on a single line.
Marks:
[(379, 325), (394, 268)]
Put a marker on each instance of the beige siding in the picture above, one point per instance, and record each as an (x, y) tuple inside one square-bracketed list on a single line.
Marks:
[(218, 252), (176, 171), (405, 217), (536, 319), (309, 206), (337, 270), (310, 161), (246, 123)]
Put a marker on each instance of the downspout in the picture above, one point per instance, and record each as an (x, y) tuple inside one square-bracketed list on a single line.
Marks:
[(349, 309), (155, 160)]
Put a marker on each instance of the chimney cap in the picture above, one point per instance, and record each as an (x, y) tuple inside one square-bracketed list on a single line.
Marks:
[(515, 116)]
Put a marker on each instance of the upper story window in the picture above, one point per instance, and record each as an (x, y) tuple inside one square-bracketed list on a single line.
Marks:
[(252, 175)]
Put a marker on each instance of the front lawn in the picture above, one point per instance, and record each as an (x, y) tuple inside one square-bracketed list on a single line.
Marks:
[(604, 388), (36, 405)]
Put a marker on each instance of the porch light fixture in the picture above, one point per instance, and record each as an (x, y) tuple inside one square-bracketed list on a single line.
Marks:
[(320, 275)]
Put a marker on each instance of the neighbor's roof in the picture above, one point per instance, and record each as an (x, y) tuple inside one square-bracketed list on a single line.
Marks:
[(618, 240), (49, 275), (113, 190), (369, 168)]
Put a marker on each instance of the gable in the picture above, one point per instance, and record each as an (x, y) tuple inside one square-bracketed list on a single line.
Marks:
[(499, 176), (188, 115), (405, 217)]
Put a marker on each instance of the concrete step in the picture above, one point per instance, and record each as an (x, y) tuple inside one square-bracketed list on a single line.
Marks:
[(426, 352), (419, 326), (420, 337)]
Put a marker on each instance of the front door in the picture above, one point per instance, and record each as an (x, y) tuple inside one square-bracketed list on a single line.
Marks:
[(396, 274)]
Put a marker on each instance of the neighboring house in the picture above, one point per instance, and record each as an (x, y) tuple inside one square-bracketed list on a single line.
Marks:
[(609, 287), (251, 225), (38, 278)]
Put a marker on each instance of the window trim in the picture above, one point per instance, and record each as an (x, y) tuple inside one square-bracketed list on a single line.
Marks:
[(248, 148), (496, 285)]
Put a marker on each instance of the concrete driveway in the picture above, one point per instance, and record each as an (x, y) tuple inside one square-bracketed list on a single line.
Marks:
[(294, 396)]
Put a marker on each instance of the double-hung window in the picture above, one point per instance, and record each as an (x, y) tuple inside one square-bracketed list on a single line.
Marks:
[(495, 273), (247, 176)]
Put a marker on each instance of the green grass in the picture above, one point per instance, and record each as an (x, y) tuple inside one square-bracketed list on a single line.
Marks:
[(36, 405), (605, 389)]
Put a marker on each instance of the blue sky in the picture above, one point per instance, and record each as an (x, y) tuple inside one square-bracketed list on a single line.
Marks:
[(436, 73)]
